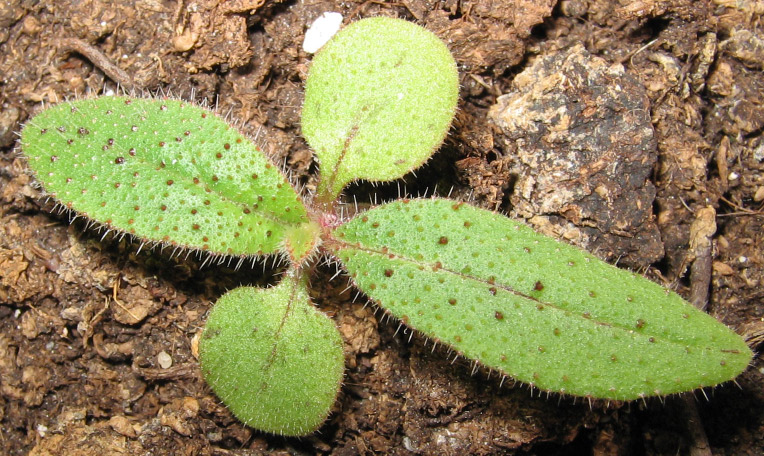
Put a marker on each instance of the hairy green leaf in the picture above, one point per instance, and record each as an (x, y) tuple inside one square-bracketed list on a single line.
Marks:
[(273, 358), (540, 311), (165, 171), (379, 99)]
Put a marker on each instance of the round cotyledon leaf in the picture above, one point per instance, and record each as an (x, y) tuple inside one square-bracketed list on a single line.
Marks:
[(163, 170), (273, 358), (540, 311), (379, 99)]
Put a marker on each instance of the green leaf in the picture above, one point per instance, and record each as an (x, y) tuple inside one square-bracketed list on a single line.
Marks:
[(273, 359), (379, 99), (540, 311), (163, 170)]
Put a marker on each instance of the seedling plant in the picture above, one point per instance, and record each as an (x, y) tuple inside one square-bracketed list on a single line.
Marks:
[(379, 100)]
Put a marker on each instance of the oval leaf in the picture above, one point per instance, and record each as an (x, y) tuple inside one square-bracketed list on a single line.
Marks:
[(379, 99), (163, 170), (272, 358), (540, 311)]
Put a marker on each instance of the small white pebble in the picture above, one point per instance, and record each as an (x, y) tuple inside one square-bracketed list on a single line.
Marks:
[(108, 93), (42, 430), (164, 360), (742, 259), (733, 175), (320, 31)]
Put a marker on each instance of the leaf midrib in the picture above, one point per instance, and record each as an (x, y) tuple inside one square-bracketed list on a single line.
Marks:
[(182, 177), (440, 267)]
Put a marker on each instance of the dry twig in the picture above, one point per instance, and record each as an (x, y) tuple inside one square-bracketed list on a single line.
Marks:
[(98, 59)]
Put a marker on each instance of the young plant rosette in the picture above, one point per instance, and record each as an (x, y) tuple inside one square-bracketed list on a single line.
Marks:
[(379, 100)]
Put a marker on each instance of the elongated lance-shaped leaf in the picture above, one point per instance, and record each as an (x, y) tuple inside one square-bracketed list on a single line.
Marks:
[(163, 170), (540, 311), (379, 99), (272, 357)]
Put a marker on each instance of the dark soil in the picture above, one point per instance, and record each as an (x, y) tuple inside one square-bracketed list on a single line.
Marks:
[(85, 321)]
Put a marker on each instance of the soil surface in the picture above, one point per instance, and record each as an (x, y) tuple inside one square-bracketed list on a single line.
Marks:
[(648, 152)]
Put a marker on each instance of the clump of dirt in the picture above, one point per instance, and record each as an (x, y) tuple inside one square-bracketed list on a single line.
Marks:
[(659, 125), (577, 138)]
